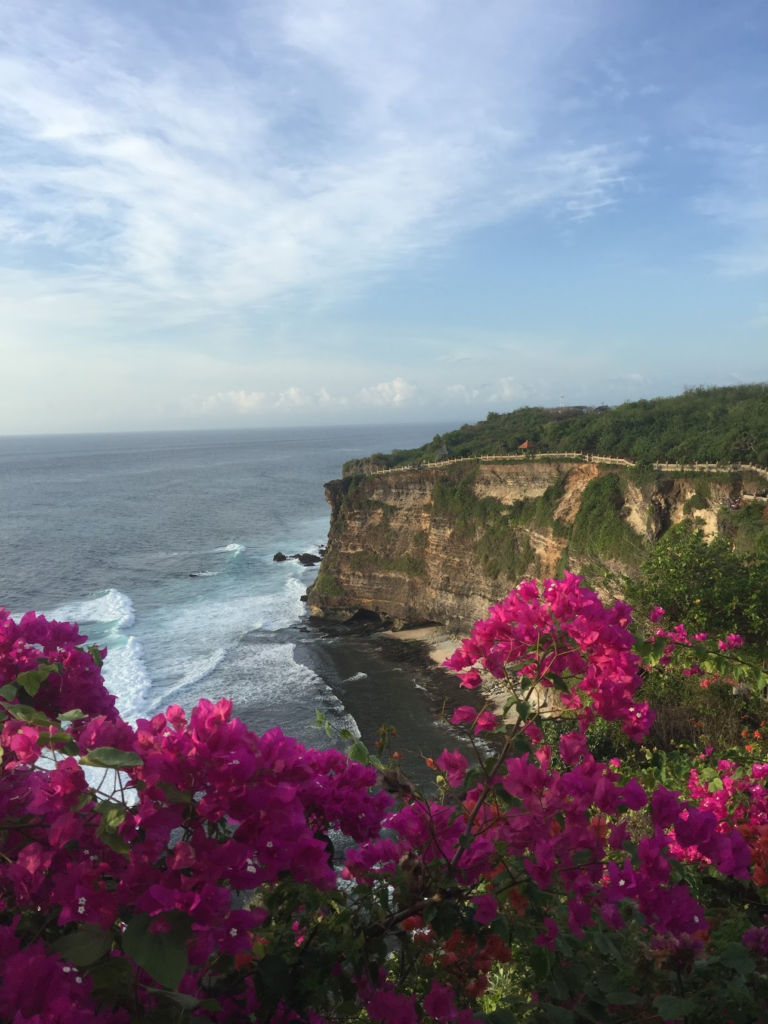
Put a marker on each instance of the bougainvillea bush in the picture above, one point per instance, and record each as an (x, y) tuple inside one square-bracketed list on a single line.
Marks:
[(186, 868)]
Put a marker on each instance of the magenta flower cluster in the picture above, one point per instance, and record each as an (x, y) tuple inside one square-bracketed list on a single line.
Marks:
[(195, 812)]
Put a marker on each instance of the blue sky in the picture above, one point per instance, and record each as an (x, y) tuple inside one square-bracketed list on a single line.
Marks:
[(325, 211)]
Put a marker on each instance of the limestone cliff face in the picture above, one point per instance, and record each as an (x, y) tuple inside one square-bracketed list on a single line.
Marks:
[(440, 545)]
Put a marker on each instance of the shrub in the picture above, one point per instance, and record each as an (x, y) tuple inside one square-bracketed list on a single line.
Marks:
[(328, 585)]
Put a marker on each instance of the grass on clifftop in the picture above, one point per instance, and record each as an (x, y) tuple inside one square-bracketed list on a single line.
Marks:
[(702, 425)]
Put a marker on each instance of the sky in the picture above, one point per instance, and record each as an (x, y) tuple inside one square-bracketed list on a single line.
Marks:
[(296, 212)]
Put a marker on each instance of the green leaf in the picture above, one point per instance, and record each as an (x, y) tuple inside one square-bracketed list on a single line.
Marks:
[(8, 692), (736, 957), (114, 842), (25, 713), (30, 681), (346, 734), (523, 709), (672, 1007), (72, 716), (95, 653), (560, 684), (508, 704), (621, 998), (180, 998), (276, 974), (502, 1017), (111, 757), (84, 947), (541, 962), (557, 985), (605, 945), (358, 752), (606, 979), (322, 723), (173, 794), (112, 978), (163, 955), (446, 919), (558, 1014), (112, 814)]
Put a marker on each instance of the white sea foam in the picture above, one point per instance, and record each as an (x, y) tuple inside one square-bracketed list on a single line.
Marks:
[(236, 549), (268, 688), (281, 691), (104, 616), (190, 640), (125, 675), (356, 677), (109, 607), (194, 673)]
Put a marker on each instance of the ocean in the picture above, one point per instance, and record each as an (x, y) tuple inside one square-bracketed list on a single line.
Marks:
[(160, 545)]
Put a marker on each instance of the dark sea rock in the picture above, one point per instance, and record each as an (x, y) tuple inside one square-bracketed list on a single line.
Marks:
[(307, 559)]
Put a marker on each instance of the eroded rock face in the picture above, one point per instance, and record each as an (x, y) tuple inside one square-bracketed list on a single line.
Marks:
[(440, 545)]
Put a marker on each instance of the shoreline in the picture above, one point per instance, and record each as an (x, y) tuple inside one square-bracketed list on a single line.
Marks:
[(381, 679), (439, 644), (423, 648)]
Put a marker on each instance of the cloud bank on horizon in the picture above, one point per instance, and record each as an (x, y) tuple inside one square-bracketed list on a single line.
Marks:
[(329, 210)]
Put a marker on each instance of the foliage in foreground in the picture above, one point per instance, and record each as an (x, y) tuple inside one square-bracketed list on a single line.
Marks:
[(190, 874), (707, 585)]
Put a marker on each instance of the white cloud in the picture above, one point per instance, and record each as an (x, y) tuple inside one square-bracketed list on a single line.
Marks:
[(261, 401), (243, 401), (506, 388), (189, 174), (393, 392), (461, 393), (292, 398)]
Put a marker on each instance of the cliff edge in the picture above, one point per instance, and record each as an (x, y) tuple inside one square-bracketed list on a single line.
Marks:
[(438, 545)]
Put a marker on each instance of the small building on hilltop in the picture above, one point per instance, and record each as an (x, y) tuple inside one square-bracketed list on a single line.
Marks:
[(526, 446)]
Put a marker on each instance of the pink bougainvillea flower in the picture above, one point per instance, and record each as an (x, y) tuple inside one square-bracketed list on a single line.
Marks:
[(486, 722), (464, 715), (454, 766)]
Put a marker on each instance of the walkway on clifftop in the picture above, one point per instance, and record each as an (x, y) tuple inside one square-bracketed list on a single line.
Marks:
[(674, 467)]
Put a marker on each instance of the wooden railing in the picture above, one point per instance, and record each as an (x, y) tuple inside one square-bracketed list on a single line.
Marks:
[(675, 467)]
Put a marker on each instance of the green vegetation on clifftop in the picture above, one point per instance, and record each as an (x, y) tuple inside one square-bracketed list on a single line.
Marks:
[(723, 425)]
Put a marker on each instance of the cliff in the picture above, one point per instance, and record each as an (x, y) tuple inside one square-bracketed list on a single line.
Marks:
[(438, 545)]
